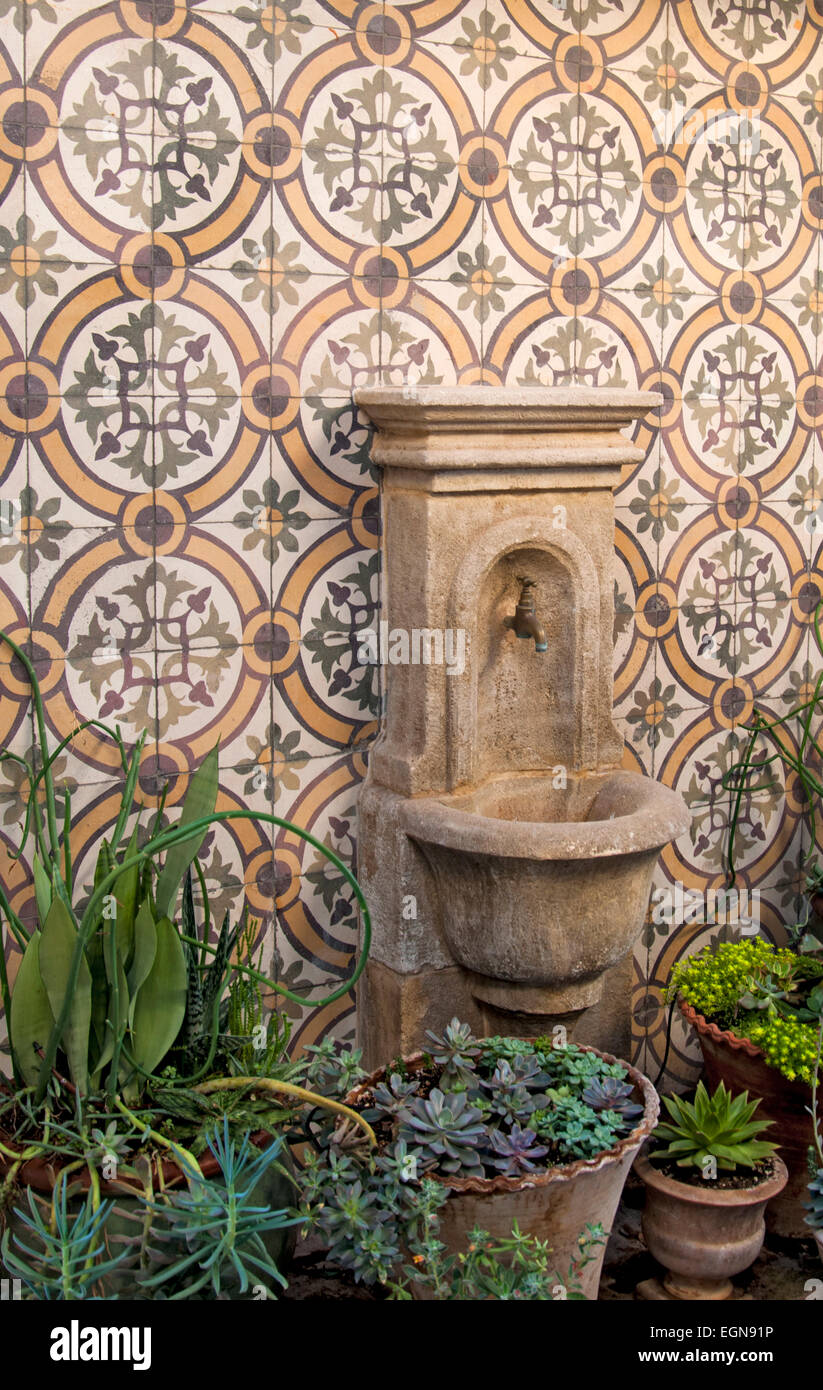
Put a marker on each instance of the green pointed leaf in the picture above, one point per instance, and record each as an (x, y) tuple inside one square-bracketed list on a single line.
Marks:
[(200, 801), (674, 1106), (125, 892), (42, 888), (188, 919), (145, 949), (107, 1050), (57, 945), (214, 978), (99, 989), (742, 1133), (161, 1003), (31, 1018), (104, 864)]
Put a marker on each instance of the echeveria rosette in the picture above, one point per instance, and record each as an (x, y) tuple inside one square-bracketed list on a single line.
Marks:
[(517, 1152), (612, 1094), (456, 1051), (393, 1093), (509, 1096), (445, 1131)]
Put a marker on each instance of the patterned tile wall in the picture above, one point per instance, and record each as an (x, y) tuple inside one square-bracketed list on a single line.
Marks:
[(218, 218)]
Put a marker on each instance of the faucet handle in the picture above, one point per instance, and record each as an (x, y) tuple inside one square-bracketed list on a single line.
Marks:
[(525, 584)]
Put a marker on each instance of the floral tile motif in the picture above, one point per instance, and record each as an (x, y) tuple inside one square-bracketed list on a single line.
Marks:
[(12, 47), (220, 218), (487, 37)]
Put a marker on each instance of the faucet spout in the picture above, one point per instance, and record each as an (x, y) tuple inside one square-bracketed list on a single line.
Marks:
[(525, 623), (530, 627)]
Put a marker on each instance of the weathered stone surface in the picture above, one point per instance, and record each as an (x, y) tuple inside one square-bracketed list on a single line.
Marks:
[(493, 802), (607, 1024), (395, 1008), (397, 886), (540, 888)]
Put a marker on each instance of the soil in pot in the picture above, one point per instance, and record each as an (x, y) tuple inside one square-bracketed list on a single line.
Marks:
[(724, 1182)]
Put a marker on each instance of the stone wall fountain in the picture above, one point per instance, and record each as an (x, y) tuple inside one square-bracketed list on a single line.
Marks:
[(506, 857)]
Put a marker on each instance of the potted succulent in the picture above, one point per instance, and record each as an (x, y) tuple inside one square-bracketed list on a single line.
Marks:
[(513, 1131), (708, 1179), (122, 1020), (218, 1236), (755, 1009)]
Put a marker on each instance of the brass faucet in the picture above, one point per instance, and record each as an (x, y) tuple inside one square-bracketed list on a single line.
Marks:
[(524, 623)]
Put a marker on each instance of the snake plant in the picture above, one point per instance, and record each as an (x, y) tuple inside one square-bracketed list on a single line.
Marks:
[(108, 986)]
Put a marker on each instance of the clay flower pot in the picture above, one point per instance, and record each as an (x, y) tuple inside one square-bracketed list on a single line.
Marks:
[(743, 1067), (553, 1204), (40, 1175), (703, 1235)]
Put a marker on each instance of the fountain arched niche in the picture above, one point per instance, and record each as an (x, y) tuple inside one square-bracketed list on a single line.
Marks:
[(516, 710), (506, 856)]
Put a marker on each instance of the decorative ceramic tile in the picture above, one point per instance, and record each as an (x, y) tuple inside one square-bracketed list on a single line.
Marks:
[(12, 58), (218, 219)]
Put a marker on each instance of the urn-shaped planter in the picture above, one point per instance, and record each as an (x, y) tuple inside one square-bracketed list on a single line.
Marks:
[(741, 1065), (553, 1204), (704, 1235)]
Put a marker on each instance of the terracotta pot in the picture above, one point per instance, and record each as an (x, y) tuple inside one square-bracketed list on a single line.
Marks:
[(40, 1175), (554, 1204), (743, 1067), (703, 1235)]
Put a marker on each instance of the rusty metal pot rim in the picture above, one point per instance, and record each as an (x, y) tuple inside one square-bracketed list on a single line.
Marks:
[(708, 1196), (562, 1173)]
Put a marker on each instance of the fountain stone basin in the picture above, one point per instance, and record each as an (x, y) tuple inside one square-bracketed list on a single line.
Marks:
[(495, 894), (542, 889)]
